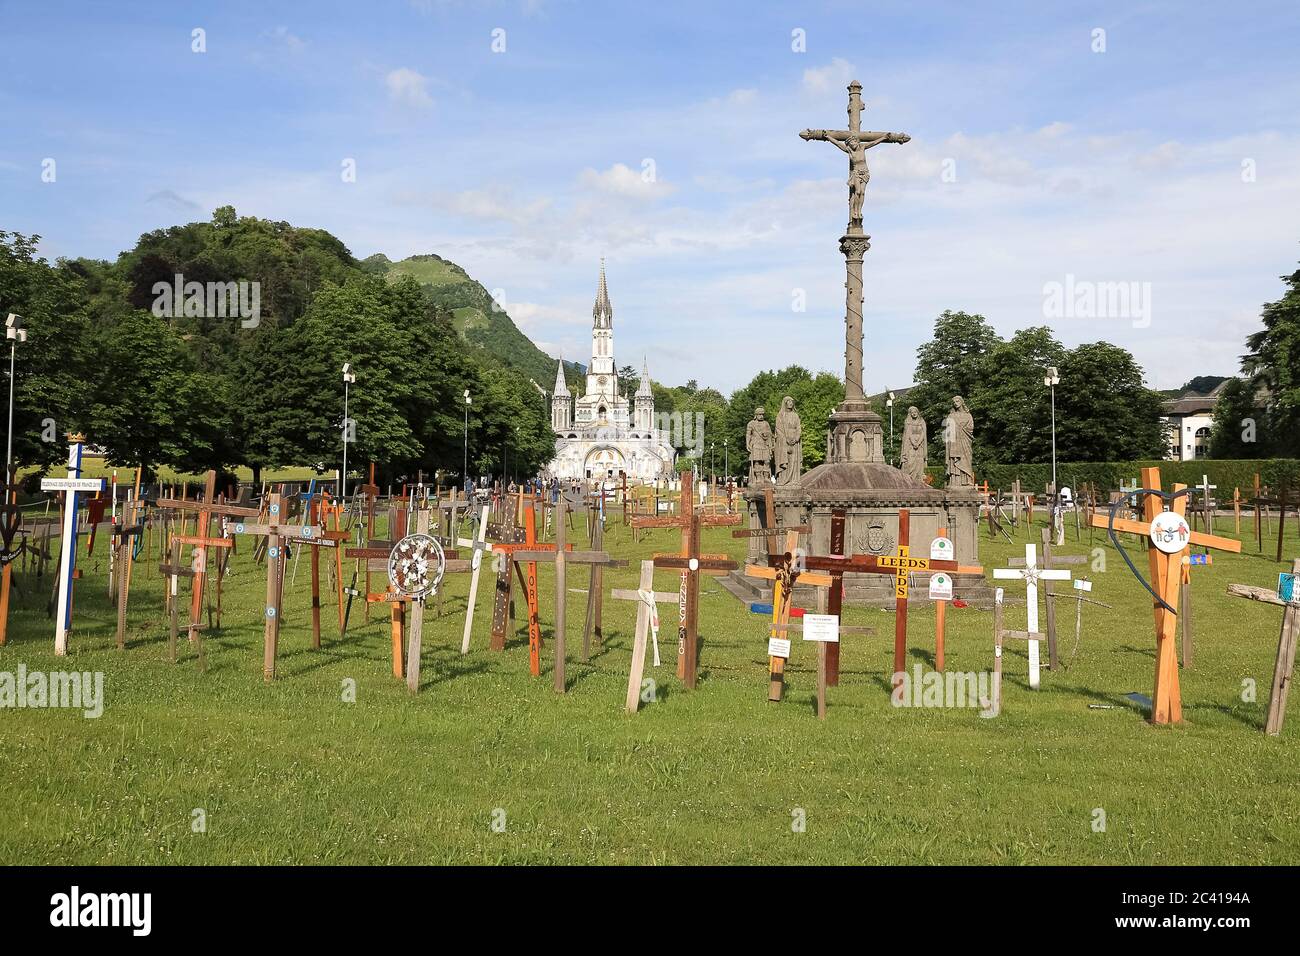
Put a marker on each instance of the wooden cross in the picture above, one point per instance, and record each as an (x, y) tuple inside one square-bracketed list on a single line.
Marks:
[(1031, 573), (560, 555), (1173, 533), (784, 571), (11, 520), (71, 486), (1284, 666), (124, 535), (999, 636), (527, 571), (1189, 561), (375, 555), (478, 544), (1050, 563), (278, 531), (595, 589), (690, 524), (200, 541), (647, 626)]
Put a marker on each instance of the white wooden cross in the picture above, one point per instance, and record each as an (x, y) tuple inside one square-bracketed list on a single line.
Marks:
[(70, 485), (1205, 488), (647, 625), (1032, 574), (479, 544)]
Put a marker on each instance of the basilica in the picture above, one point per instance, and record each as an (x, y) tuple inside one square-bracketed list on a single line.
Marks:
[(601, 433)]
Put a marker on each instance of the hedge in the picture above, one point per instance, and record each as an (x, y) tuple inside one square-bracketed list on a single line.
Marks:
[(1107, 475)]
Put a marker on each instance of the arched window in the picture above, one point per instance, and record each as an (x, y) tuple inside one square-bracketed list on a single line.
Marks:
[(1202, 445)]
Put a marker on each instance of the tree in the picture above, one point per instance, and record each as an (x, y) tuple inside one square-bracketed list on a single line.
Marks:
[(951, 363), (1241, 427), (1272, 367), (1104, 410), (56, 368), (1010, 404)]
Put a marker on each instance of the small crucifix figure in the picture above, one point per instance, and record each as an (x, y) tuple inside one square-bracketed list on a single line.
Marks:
[(1031, 574), (784, 571)]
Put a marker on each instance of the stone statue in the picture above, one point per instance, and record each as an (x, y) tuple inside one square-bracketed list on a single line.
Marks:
[(912, 456), (789, 444), (959, 439), (758, 442)]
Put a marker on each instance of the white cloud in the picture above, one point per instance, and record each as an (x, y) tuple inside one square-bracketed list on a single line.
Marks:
[(409, 87), (621, 180), (824, 79)]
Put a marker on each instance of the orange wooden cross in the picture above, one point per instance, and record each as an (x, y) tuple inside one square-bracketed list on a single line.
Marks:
[(1166, 579)]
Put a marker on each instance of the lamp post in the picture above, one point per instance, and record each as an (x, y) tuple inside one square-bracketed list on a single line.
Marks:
[(15, 333), (465, 466), (713, 462), (1051, 380), (348, 379), (889, 403), (726, 459)]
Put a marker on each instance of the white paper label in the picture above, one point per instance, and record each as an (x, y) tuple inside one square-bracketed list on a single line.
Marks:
[(821, 627), (776, 647), (72, 484), (941, 549), (940, 587), (1082, 585)]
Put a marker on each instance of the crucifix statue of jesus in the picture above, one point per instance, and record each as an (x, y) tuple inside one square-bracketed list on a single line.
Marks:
[(855, 429), (855, 141)]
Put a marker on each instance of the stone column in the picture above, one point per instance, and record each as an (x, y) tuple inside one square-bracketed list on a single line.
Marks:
[(853, 246)]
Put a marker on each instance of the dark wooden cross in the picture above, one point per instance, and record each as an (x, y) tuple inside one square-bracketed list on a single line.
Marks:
[(124, 535), (278, 531), (528, 575), (201, 540), (561, 555), (11, 520), (690, 524)]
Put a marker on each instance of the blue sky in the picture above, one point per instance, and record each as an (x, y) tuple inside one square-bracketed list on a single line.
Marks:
[(1033, 158)]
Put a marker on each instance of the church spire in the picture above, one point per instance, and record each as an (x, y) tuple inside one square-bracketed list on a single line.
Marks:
[(602, 312), (643, 390), (561, 387)]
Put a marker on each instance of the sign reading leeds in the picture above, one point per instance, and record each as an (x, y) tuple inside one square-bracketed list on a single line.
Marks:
[(103, 909)]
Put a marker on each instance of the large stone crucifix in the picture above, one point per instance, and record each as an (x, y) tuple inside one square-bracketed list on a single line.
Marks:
[(855, 141)]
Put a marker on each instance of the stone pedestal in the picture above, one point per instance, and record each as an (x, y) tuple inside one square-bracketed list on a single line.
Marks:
[(871, 494)]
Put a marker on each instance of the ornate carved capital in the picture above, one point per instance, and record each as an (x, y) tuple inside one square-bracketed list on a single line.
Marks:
[(853, 247)]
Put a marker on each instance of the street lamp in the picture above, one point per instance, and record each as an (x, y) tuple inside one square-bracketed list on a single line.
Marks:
[(15, 333), (889, 403), (348, 379), (726, 460), (465, 466), (713, 462), (1051, 380)]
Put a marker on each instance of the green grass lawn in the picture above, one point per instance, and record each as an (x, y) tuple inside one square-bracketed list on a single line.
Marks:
[(290, 773)]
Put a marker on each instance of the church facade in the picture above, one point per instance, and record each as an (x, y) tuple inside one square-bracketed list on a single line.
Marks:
[(601, 433)]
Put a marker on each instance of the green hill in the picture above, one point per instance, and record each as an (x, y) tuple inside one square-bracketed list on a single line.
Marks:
[(449, 286)]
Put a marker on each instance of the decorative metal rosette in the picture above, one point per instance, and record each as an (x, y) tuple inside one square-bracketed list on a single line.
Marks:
[(416, 566)]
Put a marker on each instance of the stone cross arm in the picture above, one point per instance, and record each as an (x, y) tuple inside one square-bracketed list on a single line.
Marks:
[(868, 138)]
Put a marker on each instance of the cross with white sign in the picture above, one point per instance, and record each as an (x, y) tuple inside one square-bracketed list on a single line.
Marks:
[(1031, 573), (71, 486)]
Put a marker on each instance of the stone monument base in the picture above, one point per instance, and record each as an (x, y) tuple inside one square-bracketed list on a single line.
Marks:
[(871, 494)]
